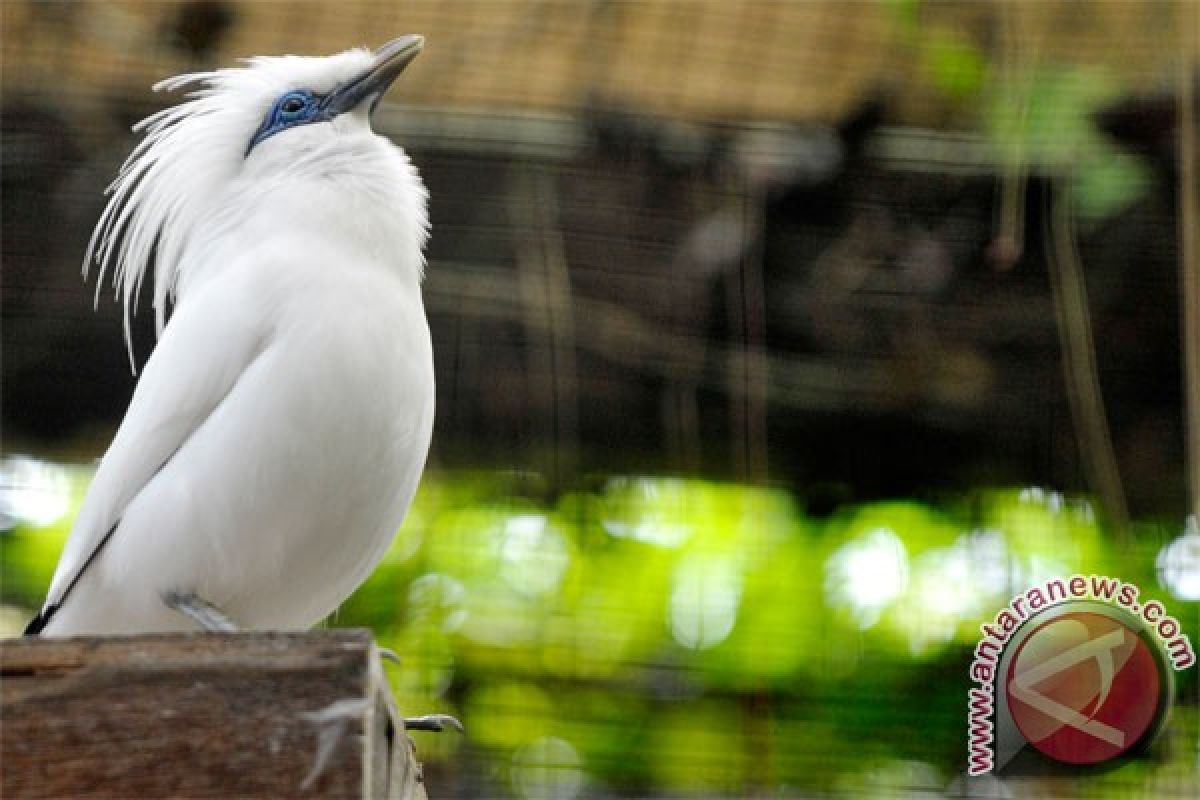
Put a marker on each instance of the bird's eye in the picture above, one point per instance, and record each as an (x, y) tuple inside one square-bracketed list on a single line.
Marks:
[(295, 107), (292, 105)]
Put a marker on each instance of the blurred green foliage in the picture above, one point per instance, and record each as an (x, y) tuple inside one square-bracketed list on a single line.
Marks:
[(679, 636), (1038, 116), (1044, 119), (953, 64)]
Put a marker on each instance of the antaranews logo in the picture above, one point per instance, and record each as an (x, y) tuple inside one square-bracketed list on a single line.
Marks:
[(1078, 669)]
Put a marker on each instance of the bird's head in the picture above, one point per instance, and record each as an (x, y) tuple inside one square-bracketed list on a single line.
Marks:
[(326, 89), (237, 130)]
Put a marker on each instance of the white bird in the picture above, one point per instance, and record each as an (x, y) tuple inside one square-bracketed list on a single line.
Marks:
[(280, 427)]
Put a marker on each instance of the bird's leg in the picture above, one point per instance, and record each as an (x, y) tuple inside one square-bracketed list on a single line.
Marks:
[(433, 722), (204, 613)]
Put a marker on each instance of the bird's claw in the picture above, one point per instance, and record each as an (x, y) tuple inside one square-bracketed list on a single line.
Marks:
[(200, 611), (433, 722), (332, 723)]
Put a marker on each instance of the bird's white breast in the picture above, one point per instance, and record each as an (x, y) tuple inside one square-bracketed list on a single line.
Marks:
[(334, 418)]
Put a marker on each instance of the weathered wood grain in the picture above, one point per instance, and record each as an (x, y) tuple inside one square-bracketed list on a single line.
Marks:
[(247, 715)]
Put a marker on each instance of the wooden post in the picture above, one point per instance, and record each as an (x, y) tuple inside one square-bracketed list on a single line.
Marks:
[(246, 715)]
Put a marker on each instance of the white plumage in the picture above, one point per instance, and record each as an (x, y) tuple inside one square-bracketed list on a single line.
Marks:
[(279, 430)]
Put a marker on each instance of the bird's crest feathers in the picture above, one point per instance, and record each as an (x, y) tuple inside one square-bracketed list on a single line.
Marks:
[(190, 154)]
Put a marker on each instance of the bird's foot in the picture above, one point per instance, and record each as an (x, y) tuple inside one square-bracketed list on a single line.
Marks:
[(433, 722), (199, 610), (388, 654), (332, 724)]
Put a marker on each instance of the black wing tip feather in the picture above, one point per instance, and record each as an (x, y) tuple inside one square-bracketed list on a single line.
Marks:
[(39, 623)]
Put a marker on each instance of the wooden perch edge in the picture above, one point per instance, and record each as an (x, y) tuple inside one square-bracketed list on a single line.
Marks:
[(247, 715)]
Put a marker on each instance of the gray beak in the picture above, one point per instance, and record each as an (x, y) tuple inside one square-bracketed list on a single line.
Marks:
[(371, 84)]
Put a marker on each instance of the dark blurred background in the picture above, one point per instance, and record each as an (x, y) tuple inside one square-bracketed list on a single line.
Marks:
[(777, 344)]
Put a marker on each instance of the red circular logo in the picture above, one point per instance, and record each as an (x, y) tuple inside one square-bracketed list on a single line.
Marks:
[(1084, 688)]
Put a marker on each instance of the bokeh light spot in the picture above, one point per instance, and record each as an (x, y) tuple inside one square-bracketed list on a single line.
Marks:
[(1179, 563), (866, 574)]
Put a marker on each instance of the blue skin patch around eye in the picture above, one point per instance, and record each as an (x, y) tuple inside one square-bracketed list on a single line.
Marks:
[(297, 107)]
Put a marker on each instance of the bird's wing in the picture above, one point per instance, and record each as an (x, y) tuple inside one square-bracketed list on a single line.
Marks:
[(209, 343)]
